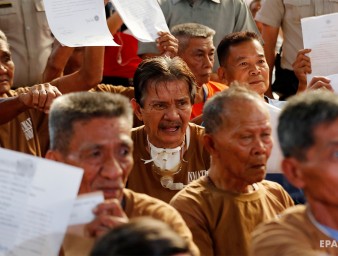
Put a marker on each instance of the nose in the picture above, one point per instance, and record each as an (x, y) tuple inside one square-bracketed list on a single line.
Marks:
[(208, 61), (111, 168), (3, 68), (259, 147), (255, 70), (172, 113)]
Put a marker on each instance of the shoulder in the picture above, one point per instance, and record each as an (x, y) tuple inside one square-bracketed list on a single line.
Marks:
[(275, 190), (138, 204), (196, 129), (194, 192), (216, 86)]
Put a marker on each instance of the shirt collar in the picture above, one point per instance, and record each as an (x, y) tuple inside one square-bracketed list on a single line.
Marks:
[(215, 1)]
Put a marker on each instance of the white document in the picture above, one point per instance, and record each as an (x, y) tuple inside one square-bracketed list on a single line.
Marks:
[(143, 17), (334, 82), (276, 156), (320, 34), (82, 212), (36, 200), (79, 22)]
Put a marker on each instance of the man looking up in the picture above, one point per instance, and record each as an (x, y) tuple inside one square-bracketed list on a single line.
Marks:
[(92, 131), (308, 134), (196, 48), (222, 209), (168, 149)]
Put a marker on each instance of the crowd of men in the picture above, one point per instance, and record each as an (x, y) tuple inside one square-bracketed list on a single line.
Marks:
[(188, 144)]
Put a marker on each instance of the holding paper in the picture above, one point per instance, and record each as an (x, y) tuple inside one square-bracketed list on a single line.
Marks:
[(36, 200), (144, 18), (320, 34), (79, 23)]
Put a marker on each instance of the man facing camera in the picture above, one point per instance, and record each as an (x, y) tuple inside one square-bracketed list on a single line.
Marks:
[(92, 131)]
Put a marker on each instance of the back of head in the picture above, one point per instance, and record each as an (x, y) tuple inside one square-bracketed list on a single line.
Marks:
[(300, 117), (83, 106), (233, 39), (183, 32), (141, 236), (217, 110), (153, 71)]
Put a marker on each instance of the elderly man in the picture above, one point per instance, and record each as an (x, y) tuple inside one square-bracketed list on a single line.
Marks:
[(23, 123), (223, 208), (196, 48), (168, 149), (92, 131), (308, 132), (221, 15), (242, 59)]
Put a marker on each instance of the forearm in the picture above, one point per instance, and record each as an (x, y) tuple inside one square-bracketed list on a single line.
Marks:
[(56, 61), (10, 108), (89, 75)]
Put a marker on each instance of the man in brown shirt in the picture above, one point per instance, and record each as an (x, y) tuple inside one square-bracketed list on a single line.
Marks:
[(92, 131), (224, 207), (308, 134)]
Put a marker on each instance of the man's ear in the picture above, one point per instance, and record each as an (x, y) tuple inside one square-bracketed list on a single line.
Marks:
[(209, 144), (292, 171), (136, 108), (53, 155), (222, 75)]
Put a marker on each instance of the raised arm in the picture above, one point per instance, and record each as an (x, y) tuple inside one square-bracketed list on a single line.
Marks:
[(89, 75)]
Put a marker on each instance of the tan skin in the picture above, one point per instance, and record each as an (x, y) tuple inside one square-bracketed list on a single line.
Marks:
[(40, 96), (302, 67), (199, 54), (239, 155), (103, 148), (166, 112), (317, 174), (246, 63)]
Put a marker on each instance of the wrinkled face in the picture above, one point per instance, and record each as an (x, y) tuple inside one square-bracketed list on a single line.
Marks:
[(6, 68), (244, 143), (103, 148), (199, 55), (246, 63), (166, 112), (320, 169)]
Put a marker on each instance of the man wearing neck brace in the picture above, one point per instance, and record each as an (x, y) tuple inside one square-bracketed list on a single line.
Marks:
[(168, 152)]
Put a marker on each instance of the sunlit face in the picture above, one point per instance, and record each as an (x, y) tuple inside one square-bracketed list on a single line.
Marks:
[(6, 68), (320, 169), (166, 112), (246, 63), (243, 145), (200, 56), (103, 148)]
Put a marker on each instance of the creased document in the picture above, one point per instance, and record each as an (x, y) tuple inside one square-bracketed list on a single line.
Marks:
[(276, 156), (320, 34), (79, 22), (82, 212), (36, 200), (144, 18)]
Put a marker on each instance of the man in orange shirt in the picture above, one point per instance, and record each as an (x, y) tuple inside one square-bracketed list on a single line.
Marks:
[(196, 48)]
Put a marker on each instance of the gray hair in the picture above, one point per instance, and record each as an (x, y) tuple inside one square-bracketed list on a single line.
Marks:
[(300, 117), (3, 37), (82, 106), (185, 31), (217, 109)]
